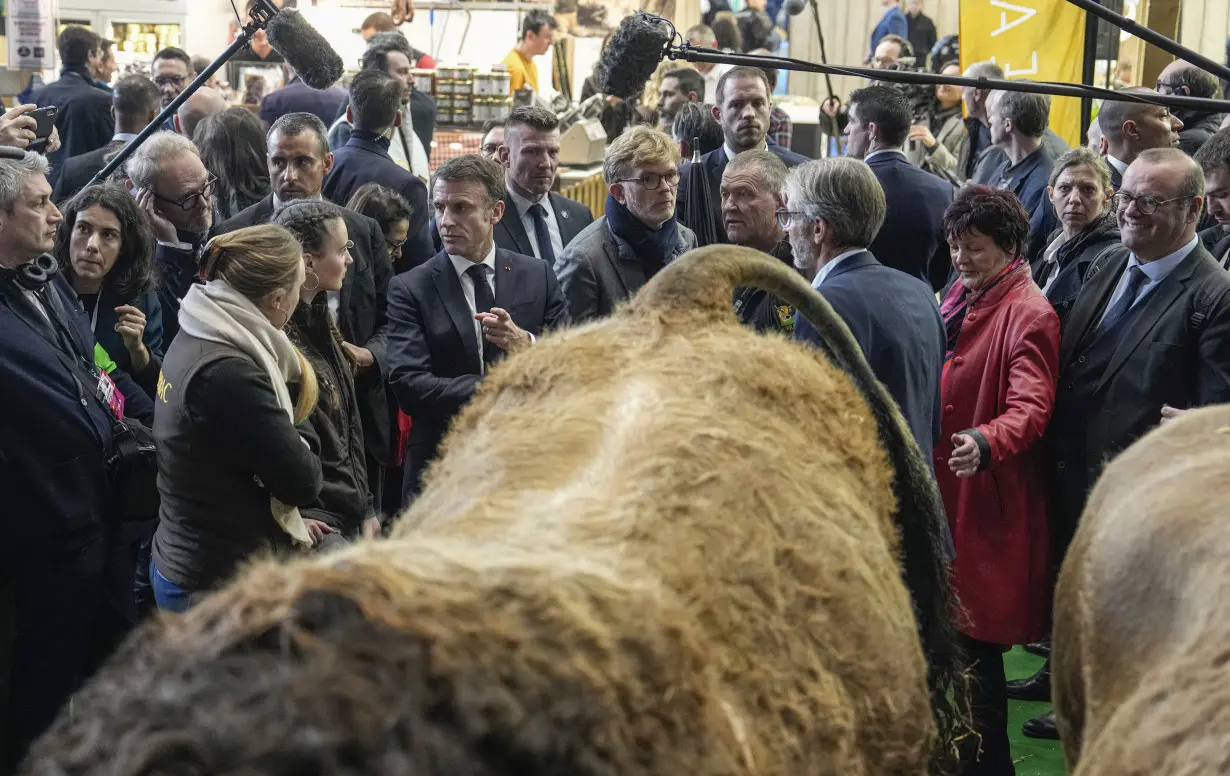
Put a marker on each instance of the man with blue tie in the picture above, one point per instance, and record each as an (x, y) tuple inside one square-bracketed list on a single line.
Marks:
[(463, 310)]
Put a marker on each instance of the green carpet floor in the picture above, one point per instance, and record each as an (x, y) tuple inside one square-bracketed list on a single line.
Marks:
[(1032, 757)]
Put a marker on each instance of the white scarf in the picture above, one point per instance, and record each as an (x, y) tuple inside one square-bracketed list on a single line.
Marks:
[(216, 312)]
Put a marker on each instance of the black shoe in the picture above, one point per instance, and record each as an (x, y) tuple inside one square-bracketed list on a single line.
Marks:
[(1039, 648), (1036, 688), (1042, 727)]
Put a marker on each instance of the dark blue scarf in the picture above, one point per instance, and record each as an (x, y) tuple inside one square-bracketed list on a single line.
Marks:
[(653, 247)]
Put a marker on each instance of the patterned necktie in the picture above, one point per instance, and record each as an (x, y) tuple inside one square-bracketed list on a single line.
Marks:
[(545, 251), (1136, 279)]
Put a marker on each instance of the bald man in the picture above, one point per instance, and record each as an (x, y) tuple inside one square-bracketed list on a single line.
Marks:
[(200, 106), (1130, 128), (1186, 79)]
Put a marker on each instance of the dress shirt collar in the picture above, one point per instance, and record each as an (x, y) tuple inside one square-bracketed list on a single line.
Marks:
[(1157, 270), (730, 152), (1118, 165), (122, 137), (523, 205), (461, 264), (827, 269), (883, 151), (278, 204)]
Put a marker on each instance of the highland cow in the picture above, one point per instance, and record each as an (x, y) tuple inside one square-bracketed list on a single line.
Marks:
[(658, 544), (1142, 610)]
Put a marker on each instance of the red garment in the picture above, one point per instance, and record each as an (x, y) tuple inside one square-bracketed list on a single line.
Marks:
[(426, 62), (1000, 382)]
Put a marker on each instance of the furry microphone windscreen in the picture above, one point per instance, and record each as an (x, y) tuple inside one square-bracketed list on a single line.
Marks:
[(633, 54), (304, 49)]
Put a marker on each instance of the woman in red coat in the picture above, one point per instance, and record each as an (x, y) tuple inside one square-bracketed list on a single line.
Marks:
[(998, 390)]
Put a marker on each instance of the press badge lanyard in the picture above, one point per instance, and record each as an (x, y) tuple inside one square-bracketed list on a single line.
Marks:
[(105, 390)]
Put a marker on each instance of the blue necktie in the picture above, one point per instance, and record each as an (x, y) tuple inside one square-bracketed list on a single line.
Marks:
[(542, 234), (484, 300), (1136, 279)]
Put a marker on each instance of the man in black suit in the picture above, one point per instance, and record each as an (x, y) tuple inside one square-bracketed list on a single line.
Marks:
[(1017, 122), (84, 108), (134, 103), (912, 238), (54, 444), (537, 222), (374, 112), (299, 160), (743, 111), (835, 207), (1214, 159), (446, 323), (298, 97), (1131, 128)]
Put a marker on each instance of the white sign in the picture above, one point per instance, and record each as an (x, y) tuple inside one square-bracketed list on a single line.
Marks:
[(32, 34)]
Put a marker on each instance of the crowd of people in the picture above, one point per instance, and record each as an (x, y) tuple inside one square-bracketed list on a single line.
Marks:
[(253, 337)]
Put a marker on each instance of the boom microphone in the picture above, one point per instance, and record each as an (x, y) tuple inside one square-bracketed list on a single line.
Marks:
[(633, 54), (795, 7), (304, 49)]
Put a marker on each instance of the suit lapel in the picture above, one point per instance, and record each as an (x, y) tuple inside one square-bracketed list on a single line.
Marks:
[(1219, 251), (262, 212), (1151, 311), (507, 280), (1093, 297), (511, 222), (448, 286), (851, 263), (568, 228)]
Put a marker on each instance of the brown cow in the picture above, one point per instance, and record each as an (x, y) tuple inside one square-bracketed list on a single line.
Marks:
[(1142, 610), (659, 544)]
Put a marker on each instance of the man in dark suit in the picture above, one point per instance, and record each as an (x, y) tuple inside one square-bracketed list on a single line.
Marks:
[(134, 103), (54, 444), (1017, 122), (1214, 159), (84, 108), (298, 97), (912, 238), (893, 316), (447, 324), (1132, 127), (743, 111), (374, 101), (299, 160), (1148, 337)]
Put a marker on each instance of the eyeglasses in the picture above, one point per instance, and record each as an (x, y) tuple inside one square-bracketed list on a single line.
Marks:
[(170, 80), (189, 201), (491, 149), (394, 248), (652, 180), (786, 217), (1146, 205), (1169, 88)]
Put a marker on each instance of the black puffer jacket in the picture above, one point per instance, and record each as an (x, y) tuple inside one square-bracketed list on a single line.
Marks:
[(1072, 261)]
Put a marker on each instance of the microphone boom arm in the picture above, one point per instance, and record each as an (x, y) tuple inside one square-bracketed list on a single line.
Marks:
[(262, 12)]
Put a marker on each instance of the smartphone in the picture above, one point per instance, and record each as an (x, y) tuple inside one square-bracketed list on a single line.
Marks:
[(46, 119)]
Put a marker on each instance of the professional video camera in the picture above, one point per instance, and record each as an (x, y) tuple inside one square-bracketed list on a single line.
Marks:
[(921, 96)]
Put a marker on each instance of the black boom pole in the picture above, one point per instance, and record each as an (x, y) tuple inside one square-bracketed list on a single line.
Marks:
[(1088, 68)]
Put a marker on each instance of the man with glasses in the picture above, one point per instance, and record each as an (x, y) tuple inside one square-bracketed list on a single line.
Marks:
[(1187, 80), (1130, 128), (172, 72), (834, 210), (493, 140), (1149, 335), (614, 256), (172, 186)]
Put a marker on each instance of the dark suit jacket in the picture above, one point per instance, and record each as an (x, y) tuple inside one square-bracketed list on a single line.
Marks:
[(1116, 177), (362, 315), (1160, 359), (366, 160), (84, 117), (433, 348), (1216, 241), (422, 116), (80, 170), (912, 239), (510, 233), (298, 97), (714, 164)]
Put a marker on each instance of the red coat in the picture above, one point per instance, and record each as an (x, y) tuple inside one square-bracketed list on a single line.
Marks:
[(1000, 382)]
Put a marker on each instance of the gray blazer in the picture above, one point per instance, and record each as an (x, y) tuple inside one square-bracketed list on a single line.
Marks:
[(598, 270)]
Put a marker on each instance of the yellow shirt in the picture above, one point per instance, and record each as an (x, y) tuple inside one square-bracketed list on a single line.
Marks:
[(521, 70)]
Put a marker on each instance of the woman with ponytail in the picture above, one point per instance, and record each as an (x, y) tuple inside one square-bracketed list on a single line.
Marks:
[(344, 503), (236, 458)]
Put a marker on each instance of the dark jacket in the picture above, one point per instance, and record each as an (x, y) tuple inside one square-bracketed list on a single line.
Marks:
[(365, 159), (714, 164), (78, 171), (991, 158), (1028, 180), (224, 447), (1071, 262), (912, 239), (344, 500), (434, 351), (178, 269), (599, 270), (298, 97), (1216, 240), (1159, 355), (83, 117), (362, 314), (922, 36), (422, 118), (1198, 127), (761, 310), (110, 340), (510, 233)]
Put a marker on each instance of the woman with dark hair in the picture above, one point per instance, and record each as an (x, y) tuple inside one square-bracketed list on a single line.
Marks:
[(232, 147), (726, 30), (695, 122), (106, 247), (998, 390), (389, 209), (344, 503)]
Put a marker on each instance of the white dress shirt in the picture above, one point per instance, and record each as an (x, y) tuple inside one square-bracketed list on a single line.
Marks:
[(824, 271), (1156, 271), (730, 152), (883, 151), (461, 264), (123, 137), (1118, 165), (523, 206)]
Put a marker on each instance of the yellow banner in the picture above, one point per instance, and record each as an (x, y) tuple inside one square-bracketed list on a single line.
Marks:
[(1034, 40)]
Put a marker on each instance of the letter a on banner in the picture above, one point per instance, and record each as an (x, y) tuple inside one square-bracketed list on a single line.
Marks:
[(1036, 40)]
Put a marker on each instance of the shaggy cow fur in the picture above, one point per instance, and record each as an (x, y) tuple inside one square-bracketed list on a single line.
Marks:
[(655, 545), (1142, 610)]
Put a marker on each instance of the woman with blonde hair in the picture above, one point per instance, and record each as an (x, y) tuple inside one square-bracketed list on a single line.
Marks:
[(235, 458)]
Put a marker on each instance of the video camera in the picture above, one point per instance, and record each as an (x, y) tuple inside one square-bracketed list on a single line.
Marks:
[(921, 96)]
